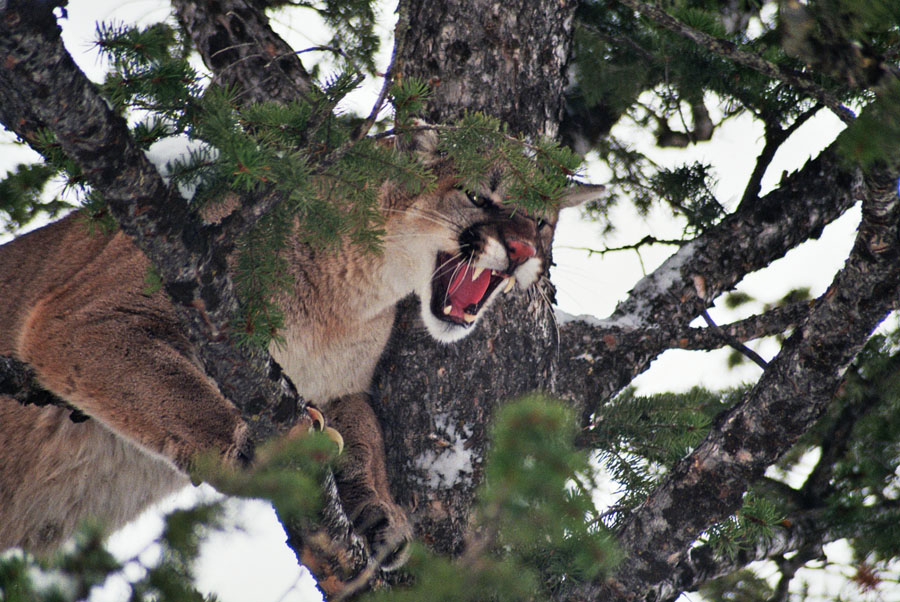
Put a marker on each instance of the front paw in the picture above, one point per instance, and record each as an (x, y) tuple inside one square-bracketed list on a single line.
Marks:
[(387, 531)]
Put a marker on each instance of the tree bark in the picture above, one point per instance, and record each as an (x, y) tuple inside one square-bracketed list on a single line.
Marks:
[(435, 401)]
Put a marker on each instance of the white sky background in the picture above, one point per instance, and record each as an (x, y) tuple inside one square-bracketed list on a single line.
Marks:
[(250, 562)]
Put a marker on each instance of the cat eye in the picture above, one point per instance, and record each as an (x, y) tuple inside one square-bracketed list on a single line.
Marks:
[(479, 200)]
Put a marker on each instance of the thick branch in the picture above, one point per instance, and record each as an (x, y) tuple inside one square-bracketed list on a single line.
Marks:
[(678, 291), (239, 47), (708, 485), (731, 52)]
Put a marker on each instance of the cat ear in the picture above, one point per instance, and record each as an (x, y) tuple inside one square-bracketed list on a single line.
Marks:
[(579, 194), (423, 141)]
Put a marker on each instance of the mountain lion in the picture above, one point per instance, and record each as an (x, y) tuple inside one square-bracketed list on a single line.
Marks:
[(73, 306)]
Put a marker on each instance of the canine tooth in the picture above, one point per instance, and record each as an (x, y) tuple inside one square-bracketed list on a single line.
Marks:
[(469, 318), (477, 273), (510, 282), (447, 310)]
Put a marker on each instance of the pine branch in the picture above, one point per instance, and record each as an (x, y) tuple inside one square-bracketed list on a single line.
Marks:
[(836, 440), (790, 396), (245, 55), (803, 533), (731, 52)]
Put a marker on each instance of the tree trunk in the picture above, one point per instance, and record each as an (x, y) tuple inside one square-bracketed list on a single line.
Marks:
[(435, 401)]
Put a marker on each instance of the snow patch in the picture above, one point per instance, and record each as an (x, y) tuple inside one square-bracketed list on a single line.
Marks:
[(591, 320), (163, 152), (443, 466), (652, 286)]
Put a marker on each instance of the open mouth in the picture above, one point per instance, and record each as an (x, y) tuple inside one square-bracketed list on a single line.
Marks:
[(460, 290)]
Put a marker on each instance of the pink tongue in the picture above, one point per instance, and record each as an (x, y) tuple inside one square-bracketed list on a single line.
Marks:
[(463, 291)]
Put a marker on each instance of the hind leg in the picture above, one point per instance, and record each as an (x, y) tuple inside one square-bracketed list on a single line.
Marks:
[(131, 368), (56, 473)]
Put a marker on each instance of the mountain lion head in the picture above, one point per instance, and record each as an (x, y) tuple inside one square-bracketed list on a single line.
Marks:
[(472, 244)]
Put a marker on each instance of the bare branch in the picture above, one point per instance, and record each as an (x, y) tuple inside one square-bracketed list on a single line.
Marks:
[(400, 31), (646, 241), (775, 321), (734, 343), (656, 314), (748, 59)]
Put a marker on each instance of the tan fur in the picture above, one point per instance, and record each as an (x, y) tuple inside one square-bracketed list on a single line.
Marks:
[(73, 306)]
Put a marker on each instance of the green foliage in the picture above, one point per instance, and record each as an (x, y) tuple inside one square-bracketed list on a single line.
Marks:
[(408, 97), (70, 575), (874, 138), (289, 472), (639, 438), (688, 189), (352, 23), (741, 586), (754, 523), (20, 196), (631, 71), (735, 299), (537, 491), (150, 71), (535, 175), (535, 524), (866, 474)]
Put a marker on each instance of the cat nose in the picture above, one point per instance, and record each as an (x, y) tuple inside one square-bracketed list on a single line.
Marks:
[(519, 250)]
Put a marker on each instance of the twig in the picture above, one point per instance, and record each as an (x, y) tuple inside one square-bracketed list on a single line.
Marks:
[(734, 343), (753, 61), (647, 240), (399, 42)]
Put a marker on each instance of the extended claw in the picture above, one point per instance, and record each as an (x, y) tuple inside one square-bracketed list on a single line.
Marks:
[(336, 437), (317, 418)]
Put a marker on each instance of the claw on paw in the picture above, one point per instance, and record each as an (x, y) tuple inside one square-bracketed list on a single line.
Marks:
[(335, 436), (317, 418)]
